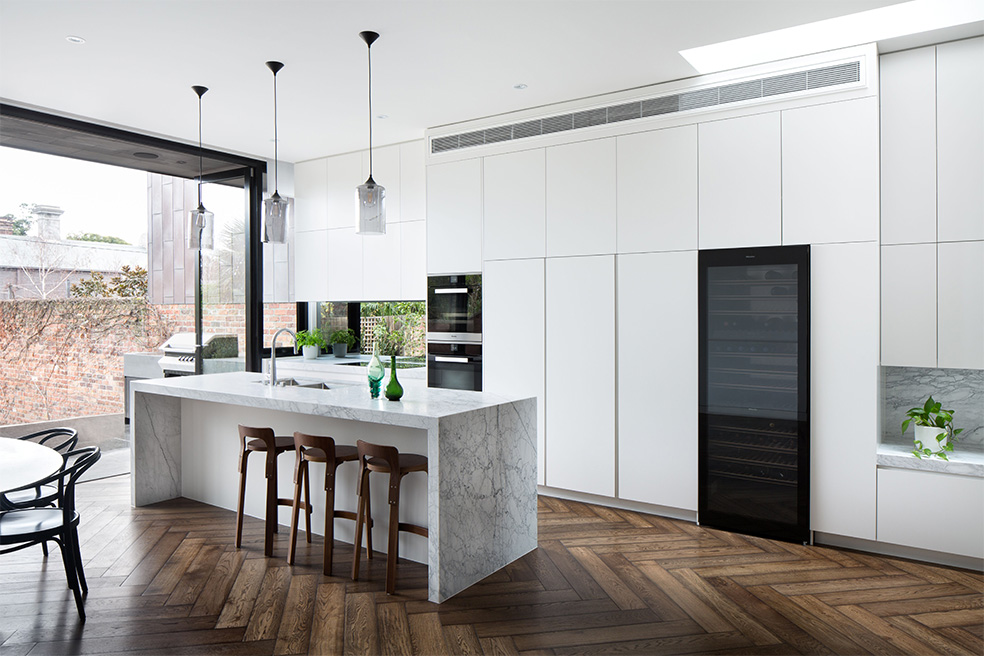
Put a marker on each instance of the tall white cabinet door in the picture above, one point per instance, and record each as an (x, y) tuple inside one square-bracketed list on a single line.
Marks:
[(580, 391), (581, 198), (413, 185), (344, 173), (413, 261), (344, 265), (454, 217), (311, 265), (908, 305), (381, 269), (960, 139), (830, 173), (311, 195), (513, 302), (515, 205), (740, 182), (657, 190), (657, 366), (908, 146), (961, 304), (844, 388)]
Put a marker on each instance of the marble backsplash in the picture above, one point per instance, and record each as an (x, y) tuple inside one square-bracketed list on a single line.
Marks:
[(960, 390)]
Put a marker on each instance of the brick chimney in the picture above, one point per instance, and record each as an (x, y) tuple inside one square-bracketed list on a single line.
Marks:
[(48, 218), (6, 225)]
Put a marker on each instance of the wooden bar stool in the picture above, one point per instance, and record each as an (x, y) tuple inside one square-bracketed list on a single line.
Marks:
[(318, 448), (263, 440), (386, 460)]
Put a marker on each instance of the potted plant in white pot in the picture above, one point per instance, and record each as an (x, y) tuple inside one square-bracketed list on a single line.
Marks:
[(342, 341), (933, 428), (311, 343)]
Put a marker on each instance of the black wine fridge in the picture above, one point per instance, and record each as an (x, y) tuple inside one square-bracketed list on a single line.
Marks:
[(754, 391)]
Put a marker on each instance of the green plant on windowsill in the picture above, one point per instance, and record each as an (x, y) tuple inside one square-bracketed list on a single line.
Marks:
[(931, 422), (310, 338), (344, 336)]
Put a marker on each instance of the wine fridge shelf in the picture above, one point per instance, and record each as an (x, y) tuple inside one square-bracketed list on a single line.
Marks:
[(751, 477)]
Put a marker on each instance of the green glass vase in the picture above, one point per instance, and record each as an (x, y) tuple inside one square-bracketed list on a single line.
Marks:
[(375, 372), (393, 389)]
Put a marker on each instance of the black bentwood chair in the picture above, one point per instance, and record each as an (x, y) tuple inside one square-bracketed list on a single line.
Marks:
[(24, 528), (37, 495)]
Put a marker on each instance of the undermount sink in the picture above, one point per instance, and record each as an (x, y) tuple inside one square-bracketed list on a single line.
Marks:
[(295, 382)]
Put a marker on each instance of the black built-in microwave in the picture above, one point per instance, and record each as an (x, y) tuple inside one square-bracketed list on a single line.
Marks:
[(454, 308)]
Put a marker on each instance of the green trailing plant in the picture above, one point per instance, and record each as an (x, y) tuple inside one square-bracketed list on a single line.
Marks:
[(932, 414), (310, 338), (343, 336)]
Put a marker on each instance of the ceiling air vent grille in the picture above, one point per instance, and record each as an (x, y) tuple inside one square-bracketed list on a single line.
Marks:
[(817, 78)]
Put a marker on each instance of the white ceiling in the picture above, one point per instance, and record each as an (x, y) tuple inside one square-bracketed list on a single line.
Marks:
[(436, 62)]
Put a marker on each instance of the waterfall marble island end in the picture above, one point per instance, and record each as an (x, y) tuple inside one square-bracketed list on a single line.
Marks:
[(478, 498)]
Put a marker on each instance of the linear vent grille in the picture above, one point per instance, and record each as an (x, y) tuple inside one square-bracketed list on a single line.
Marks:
[(817, 78)]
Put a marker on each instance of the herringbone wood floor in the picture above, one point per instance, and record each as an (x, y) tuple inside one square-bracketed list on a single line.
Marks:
[(167, 579)]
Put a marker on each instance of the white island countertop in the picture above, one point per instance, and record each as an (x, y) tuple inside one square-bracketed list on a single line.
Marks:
[(478, 497), (344, 400)]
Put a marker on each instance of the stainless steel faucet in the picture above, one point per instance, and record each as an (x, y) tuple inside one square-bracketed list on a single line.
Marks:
[(273, 352)]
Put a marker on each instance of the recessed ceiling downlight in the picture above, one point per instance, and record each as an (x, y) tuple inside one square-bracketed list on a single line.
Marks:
[(71, 38), (519, 86), (144, 155)]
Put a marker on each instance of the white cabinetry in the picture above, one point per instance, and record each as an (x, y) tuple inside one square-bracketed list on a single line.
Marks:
[(740, 182), (344, 265), (960, 139), (413, 260), (413, 186), (310, 195), (580, 391), (513, 335), (909, 511), (344, 174), (381, 268), (961, 304), (454, 217), (908, 305), (515, 205), (908, 146), (657, 371), (311, 265), (581, 198), (657, 190), (830, 173), (844, 388)]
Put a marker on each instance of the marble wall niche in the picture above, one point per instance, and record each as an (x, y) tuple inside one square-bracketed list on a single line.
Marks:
[(960, 390)]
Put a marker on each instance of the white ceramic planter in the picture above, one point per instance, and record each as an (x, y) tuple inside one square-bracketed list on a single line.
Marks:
[(310, 351), (927, 435)]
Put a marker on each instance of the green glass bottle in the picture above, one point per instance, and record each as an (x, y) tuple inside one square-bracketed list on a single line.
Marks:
[(375, 372), (393, 389)]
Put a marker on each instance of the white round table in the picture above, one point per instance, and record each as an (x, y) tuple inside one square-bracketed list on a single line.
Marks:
[(23, 462)]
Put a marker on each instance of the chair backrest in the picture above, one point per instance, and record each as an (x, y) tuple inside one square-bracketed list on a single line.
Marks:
[(252, 432), (63, 439), (75, 464), (304, 441)]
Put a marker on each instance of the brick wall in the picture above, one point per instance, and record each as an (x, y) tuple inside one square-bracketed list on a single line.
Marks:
[(64, 358)]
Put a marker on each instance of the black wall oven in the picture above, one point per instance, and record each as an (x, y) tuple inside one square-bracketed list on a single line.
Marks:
[(454, 308), (454, 366)]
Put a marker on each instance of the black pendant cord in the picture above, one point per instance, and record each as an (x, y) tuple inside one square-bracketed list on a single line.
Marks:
[(369, 52), (201, 161), (276, 142)]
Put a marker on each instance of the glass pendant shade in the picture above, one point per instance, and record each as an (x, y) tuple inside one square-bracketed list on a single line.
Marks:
[(372, 208), (277, 215), (201, 229)]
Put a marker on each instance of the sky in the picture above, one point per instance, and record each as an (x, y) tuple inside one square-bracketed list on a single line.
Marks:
[(106, 200)]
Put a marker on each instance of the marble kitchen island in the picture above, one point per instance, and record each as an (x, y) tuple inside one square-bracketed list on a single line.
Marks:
[(478, 499)]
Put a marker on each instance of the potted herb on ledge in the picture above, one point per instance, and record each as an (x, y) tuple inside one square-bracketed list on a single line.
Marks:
[(342, 341), (933, 428), (311, 343)]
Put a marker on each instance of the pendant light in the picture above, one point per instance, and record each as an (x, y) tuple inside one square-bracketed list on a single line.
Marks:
[(276, 209), (201, 226), (371, 196)]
